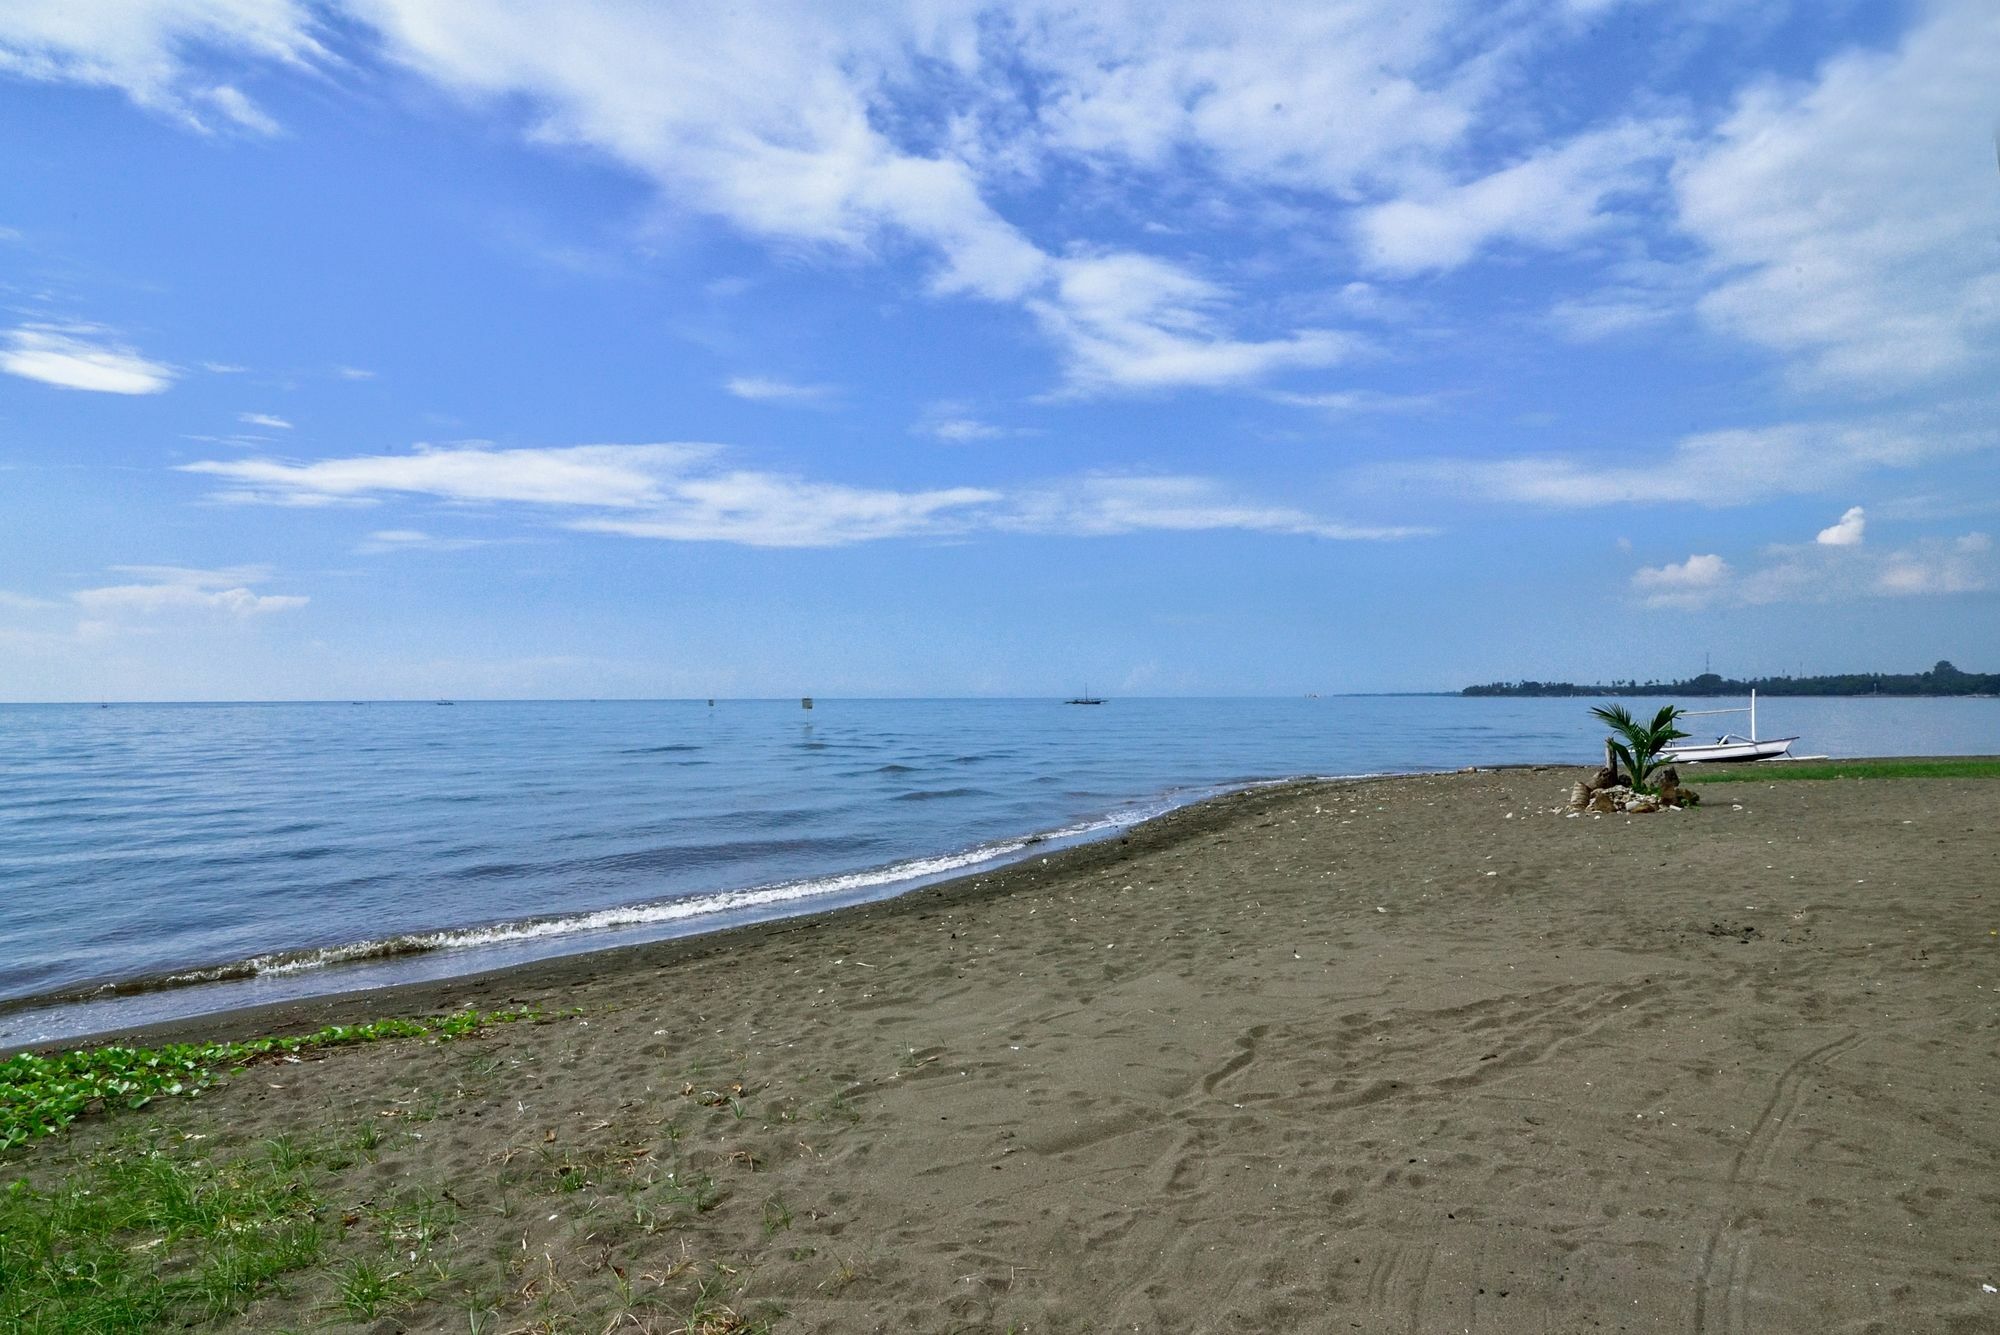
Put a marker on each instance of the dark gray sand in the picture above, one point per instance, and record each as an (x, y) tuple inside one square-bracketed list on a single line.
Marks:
[(1405, 1055)]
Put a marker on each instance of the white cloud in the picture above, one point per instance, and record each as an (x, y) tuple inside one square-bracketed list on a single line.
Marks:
[(1712, 468), (904, 129), (414, 540), (1823, 573), (1934, 567), (953, 422), (1550, 199), (264, 419), (21, 602), (1688, 583), (679, 493), (1346, 402), (962, 430), (1319, 97), (1100, 506), (223, 368), (778, 118), (1132, 322), (1609, 314), (1851, 215), (171, 589), (352, 373), (80, 357), (607, 476), (149, 50), (1847, 531), (772, 510), (764, 389), (238, 109)]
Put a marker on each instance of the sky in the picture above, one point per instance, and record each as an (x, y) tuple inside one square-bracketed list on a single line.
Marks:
[(590, 348)]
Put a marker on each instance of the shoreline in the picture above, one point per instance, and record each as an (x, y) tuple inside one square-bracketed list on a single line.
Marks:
[(1416, 1053), (486, 987)]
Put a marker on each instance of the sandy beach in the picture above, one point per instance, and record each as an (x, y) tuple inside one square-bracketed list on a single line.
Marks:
[(1415, 1054)]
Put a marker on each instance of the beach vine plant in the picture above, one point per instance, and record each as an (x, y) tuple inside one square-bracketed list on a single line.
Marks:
[(1638, 745), (41, 1093)]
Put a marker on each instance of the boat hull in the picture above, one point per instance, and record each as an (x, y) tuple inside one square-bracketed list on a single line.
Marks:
[(1731, 752)]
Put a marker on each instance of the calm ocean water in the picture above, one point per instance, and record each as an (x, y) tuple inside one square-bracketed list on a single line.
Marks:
[(209, 856)]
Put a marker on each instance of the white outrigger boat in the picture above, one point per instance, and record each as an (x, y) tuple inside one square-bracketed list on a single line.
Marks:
[(1729, 746)]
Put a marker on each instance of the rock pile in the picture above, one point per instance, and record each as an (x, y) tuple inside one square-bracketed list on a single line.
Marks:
[(1602, 793)]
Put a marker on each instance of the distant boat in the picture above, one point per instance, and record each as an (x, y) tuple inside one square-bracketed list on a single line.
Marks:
[(1086, 699), (1729, 748), (805, 702), (447, 702)]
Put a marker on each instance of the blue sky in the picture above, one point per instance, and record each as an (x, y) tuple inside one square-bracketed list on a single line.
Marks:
[(406, 348)]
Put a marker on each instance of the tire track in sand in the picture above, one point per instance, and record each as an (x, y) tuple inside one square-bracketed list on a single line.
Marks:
[(1724, 1291)]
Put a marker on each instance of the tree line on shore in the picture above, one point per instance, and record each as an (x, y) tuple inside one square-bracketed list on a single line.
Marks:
[(1943, 679)]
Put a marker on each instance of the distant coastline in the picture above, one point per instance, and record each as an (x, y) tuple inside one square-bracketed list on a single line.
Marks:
[(1943, 679)]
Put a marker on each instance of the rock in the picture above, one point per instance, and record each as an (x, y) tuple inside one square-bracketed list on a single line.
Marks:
[(1606, 777), (1604, 800), (1670, 787), (1639, 804)]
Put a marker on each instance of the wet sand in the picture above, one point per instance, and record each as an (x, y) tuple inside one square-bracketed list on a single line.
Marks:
[(1413, 1055)]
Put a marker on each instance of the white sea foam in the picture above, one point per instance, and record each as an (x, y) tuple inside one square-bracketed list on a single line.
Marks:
[(751, 901)]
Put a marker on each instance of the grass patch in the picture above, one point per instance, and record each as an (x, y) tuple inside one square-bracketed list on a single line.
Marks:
[(147, 1241), (1968, 767), (42, 1093)]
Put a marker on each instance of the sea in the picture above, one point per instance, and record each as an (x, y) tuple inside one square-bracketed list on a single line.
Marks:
[(166, 861)]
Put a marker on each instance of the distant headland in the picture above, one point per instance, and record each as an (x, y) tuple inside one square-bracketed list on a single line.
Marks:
[(1943, 679)]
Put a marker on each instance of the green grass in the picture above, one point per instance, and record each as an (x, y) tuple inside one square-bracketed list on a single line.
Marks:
[(146, 1241), (1946, 768), (41, 1093)]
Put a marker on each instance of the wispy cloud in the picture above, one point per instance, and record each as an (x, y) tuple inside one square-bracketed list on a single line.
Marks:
[(1103, 505), (774, 510), (1346, 402), (955, 423), (158, 590), (145, 52), (961, 430), (1131, 322), (604, 476), (415, 540), (264, 419), (687, 493), (81, 357), (1713, 468), (1841, 219), (783, 127), (1851, 214), (766, 389), (1548, 200)]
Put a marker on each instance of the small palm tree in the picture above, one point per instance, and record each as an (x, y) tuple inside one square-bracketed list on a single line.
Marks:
[(1643, 742)]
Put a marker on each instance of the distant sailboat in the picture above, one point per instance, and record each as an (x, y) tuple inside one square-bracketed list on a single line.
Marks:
[(1086, 698)]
